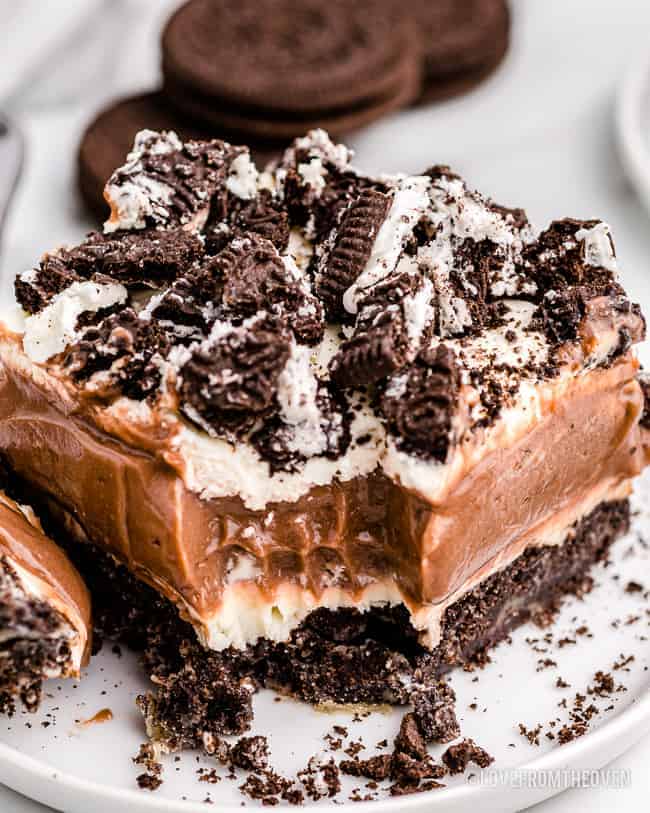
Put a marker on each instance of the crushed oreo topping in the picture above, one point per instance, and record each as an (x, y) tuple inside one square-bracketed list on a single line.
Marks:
[(127, 347), (398, 290), (256, 277), (150, 258), (563, 256), (193, 301), (165, 182), (264, 216), (317, 183), (231, 380), (419, 404), (36, 288), (352, 245), (384, 339), (561, 313)]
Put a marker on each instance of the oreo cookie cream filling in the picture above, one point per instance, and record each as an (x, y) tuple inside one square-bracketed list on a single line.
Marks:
[(269, 392)]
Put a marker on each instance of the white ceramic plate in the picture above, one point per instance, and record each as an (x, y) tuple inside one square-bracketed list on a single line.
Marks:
[(79, 767), (633, 126)]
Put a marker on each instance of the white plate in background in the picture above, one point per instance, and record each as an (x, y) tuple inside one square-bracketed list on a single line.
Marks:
[(633, 126)]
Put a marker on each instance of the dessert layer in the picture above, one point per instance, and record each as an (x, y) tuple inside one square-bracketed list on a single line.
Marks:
[(239, 574), (45, 574), (339, 656), (44, 609)]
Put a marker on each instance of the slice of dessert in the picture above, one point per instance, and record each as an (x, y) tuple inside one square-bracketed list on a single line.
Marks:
[(328, 416), (44, 609)]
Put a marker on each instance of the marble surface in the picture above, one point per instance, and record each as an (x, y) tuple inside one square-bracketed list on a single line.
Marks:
[(538, 135)]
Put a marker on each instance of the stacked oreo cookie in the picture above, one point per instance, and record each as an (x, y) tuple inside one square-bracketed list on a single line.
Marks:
[(265, 71), (276, 68)]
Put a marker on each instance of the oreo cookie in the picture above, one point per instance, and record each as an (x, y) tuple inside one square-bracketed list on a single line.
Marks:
[(352, 246), (231, 381), (419, 408), (462, 42), (276, 68)]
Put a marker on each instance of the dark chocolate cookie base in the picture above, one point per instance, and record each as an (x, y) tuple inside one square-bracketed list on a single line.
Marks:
[(34, 647), (334, 656)]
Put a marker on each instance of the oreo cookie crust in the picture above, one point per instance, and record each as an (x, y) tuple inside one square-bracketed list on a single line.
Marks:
[(279, 68)]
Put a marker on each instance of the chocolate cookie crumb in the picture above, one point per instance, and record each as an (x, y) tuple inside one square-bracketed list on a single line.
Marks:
[(147, 781), (434, 709), (250, 753), (320, 779), (457, 757), (376, 768), (409, 740)]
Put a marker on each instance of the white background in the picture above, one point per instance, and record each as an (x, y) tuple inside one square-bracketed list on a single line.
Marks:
[(539, 135)]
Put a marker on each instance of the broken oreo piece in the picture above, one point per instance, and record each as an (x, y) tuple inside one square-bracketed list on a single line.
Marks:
[(562, 257), (388, 332), (257, 278), (371, 355), (353, 243), (419, 404), (149, 258), (263, 215), (231, 381), (165, 182), (126, 345), (36, 288)]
